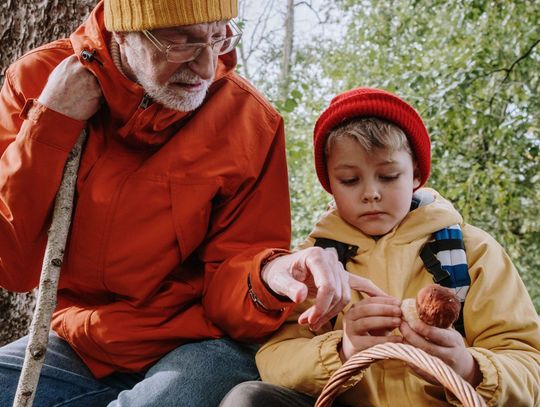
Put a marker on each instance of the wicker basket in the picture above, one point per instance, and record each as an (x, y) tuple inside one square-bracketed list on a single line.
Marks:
[(414, 356)]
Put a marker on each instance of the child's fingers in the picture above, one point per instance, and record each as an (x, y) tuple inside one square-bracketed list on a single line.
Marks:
[(375, 306), (420, 331), (365, 326)]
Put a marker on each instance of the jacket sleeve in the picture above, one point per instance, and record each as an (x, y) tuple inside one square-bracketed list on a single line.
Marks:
[(254, 219), (501, 325), (34, 145)]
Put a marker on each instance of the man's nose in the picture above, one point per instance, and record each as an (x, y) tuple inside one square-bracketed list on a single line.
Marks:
[(204, 64)]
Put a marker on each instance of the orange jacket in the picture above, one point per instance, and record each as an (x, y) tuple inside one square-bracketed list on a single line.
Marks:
[(173, 210)]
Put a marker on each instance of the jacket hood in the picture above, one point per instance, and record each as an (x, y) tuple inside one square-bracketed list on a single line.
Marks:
[(418, 224), (150, 125)]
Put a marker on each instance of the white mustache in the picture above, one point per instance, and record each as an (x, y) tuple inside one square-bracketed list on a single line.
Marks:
[(185, 77)]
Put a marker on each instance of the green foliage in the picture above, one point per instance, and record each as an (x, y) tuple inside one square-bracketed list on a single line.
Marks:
[(470, 67)]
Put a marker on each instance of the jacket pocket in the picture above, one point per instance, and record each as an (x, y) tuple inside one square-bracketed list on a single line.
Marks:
[(191, 209)]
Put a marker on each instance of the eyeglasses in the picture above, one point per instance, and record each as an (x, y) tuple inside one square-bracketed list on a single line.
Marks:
[(188, 52)]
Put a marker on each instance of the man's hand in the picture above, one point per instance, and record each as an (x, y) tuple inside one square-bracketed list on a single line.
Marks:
[(315, 272), (72, 90)]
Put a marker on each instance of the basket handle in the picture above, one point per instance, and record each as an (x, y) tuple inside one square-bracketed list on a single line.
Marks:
[(407, 353)]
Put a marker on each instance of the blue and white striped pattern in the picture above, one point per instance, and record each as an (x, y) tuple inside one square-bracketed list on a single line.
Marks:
[(454, 261)]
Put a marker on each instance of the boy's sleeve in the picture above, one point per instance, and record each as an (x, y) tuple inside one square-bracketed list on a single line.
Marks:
[(301, 360), (34, 144), (501, 325)]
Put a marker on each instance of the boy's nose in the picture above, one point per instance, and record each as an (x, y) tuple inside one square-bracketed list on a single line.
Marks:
[(371, 195)]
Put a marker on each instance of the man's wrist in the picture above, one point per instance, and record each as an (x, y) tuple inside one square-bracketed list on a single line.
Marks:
[(258, 302), (261, 294), (264, 267)]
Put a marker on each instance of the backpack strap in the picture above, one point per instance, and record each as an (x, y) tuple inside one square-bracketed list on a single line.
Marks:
[(344, 251), (446, 260)]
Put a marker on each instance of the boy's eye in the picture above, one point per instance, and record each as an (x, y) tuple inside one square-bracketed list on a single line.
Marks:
[(349, 181), (390, 177)]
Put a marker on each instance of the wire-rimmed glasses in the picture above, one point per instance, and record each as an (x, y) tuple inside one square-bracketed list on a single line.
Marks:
[(178, 53)]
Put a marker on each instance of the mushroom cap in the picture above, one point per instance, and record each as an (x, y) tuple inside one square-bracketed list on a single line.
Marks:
[(437, 305)]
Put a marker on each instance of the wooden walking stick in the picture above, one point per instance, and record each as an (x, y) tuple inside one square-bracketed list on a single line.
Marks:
[(48, 283)]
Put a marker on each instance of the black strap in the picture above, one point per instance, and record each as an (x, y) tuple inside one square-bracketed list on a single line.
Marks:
[(433, 265), (446, 244), (415, 203), (344, 251)]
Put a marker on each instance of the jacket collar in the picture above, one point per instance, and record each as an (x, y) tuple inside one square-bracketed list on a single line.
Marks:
[(150, 126), (420, 223)]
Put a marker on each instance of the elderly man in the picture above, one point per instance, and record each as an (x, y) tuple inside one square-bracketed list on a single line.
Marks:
[(181, 201)]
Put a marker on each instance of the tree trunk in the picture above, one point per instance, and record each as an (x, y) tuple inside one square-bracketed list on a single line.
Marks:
[(287, 50), (24, 25)]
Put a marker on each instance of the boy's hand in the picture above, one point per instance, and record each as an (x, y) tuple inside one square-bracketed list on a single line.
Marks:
[(72, 90), (315, 272), (447, 345), (370, 322)]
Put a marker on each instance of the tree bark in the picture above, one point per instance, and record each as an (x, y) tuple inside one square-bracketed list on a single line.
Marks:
[(48, 284), (287, 50), (24, 25)]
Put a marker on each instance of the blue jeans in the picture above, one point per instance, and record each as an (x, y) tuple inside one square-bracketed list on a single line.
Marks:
[(261, 394), (197, 374)]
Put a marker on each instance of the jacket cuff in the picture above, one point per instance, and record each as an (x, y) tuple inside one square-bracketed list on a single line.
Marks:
[(330, 360), (50, 127), (489, 388), (260, 293)]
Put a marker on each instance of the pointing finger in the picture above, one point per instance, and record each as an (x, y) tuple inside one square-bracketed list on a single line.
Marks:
[(366, 286)]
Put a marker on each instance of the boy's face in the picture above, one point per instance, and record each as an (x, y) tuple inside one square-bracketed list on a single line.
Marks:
[(372, 190)]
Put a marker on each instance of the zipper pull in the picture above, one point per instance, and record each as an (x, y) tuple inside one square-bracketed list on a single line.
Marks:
[(145, 102), (90, 56)]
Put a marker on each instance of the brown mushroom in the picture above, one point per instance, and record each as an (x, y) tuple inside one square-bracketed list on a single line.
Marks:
[(434, 304)]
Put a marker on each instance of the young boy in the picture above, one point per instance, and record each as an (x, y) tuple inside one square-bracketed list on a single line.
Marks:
[(372, 152)]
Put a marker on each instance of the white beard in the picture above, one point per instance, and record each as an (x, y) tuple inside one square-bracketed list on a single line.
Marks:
[(172, 96), (168, 94)]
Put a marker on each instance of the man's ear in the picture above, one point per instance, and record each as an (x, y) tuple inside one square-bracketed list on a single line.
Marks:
[(416, 176)]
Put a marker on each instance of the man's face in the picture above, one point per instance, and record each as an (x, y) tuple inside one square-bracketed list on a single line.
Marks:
[(179, 86), (372, 190)]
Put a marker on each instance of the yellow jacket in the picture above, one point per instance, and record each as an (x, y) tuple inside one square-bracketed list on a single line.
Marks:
[(501, 325)]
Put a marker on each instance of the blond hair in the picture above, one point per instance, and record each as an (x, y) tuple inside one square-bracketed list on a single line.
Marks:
[(370, 133)]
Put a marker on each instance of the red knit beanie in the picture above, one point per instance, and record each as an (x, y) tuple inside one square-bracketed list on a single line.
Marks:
[(369, 102)]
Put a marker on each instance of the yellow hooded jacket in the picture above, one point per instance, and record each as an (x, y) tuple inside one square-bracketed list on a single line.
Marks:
[(501, 325)]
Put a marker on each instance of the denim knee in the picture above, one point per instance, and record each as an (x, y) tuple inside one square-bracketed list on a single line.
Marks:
[(262, 394), (64, 379), (197, 374)]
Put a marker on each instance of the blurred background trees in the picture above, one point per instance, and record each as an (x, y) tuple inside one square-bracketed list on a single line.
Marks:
[(471, 68)]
